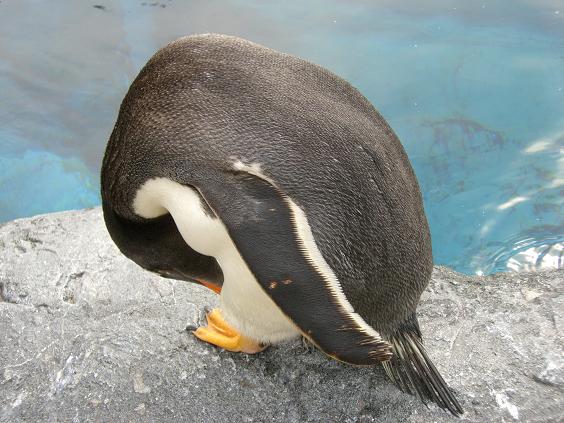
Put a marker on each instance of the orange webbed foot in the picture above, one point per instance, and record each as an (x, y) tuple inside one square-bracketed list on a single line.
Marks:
[(220, 333)]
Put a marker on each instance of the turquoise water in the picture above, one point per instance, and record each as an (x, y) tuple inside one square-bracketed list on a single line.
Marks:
[(475, 91)]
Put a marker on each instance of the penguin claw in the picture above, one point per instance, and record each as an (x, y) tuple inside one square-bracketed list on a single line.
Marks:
[(219, 333), (201, 321), (307, 345), (191, 328)]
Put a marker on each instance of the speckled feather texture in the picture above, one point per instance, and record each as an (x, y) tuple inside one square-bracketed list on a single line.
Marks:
[(86, 335), (205, 102), (328, 175)]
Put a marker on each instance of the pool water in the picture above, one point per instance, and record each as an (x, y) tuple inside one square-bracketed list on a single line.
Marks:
[(475, 91)]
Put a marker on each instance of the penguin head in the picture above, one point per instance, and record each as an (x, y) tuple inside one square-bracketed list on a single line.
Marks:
[(157, 246)]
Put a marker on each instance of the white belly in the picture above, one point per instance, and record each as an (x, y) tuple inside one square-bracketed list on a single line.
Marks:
[(244, 303)]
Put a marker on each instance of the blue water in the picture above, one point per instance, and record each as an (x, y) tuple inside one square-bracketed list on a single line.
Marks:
[(475, 91)]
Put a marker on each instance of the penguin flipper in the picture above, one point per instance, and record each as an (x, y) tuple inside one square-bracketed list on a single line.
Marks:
[(274, 239)]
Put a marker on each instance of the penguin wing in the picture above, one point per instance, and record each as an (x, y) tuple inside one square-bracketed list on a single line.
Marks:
[(273, 236)]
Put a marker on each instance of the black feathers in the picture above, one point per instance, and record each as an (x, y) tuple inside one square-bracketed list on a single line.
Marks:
[(261, 221), (413, 372)]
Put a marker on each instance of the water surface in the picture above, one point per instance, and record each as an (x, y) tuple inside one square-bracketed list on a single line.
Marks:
[(475, 91)]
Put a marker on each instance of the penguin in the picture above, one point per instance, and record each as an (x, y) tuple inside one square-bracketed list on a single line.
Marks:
[(276, 184)]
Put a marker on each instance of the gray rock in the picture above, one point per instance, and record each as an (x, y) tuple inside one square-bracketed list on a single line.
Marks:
[(86, 335)]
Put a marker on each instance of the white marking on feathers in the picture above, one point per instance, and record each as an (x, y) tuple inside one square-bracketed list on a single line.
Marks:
[(244, 303), (312, 253)]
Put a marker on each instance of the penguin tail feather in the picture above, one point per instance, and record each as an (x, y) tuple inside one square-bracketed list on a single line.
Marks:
[(413, 372)]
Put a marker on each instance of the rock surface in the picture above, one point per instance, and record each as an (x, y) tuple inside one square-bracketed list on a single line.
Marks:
[(86, 335)]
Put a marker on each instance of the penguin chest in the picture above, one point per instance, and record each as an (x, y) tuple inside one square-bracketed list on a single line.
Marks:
[(244, 303)]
